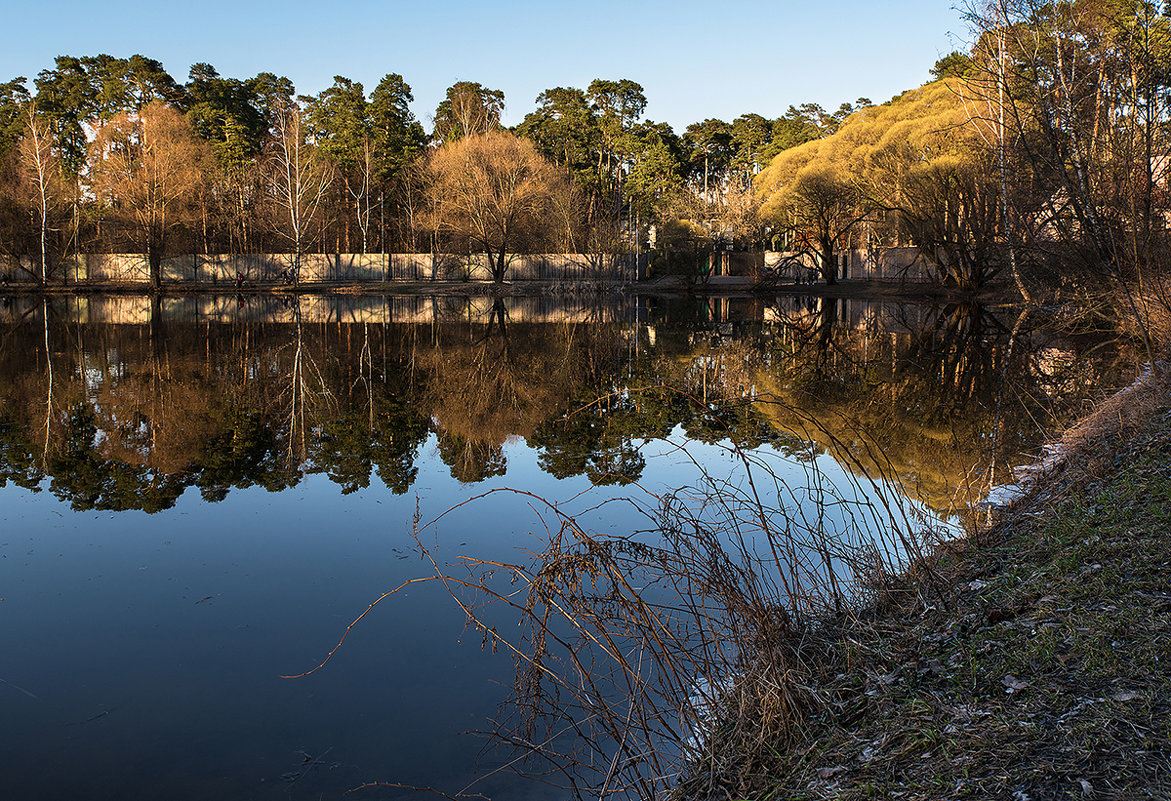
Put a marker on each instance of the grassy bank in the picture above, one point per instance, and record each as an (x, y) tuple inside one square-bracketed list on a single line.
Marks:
[(1031, 662)]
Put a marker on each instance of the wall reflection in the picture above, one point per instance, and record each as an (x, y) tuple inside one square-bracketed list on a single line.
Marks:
[(125, 402)]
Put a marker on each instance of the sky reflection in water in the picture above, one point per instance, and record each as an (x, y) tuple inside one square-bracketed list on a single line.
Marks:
[(145, 650)]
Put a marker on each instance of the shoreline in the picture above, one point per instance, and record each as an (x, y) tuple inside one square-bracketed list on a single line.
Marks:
[(1028, 661)]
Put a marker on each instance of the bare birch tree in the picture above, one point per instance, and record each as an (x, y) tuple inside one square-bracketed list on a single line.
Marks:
[(361, 190), (42, 177), (299, 179)]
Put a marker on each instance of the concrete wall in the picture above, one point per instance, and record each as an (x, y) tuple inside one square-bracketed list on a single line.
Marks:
[(122, 268), (889, 264), (896, 264)]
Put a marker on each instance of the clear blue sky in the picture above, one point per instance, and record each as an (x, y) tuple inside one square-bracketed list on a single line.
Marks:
[(695, 59)]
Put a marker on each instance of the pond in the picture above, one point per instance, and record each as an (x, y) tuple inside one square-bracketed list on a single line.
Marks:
[(199, 495)]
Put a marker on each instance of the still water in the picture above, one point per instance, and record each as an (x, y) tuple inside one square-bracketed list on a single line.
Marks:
[(197, 497)]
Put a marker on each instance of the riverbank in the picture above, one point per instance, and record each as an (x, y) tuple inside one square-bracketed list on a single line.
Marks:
[(1030, 662)]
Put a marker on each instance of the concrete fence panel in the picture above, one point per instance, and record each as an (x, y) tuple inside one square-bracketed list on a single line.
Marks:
[(905, 264)]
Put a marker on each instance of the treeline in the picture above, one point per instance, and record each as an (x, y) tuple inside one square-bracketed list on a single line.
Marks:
[(104, 154), (1039, 158)]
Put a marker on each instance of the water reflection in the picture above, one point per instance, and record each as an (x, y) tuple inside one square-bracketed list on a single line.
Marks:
[(278, 448), (124, 403)]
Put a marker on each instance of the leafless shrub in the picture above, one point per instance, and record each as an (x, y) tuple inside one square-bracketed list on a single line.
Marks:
[(636, 654)]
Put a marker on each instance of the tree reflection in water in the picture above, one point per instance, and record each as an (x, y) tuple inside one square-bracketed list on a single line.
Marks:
[(127, 410), (124, 403)]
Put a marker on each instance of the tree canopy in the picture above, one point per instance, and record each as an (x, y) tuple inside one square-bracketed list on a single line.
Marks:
[(914, 170), (1048, 135), (497, 195), (469, 108)]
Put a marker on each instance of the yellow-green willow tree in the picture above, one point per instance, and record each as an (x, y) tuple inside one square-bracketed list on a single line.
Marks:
[(928, 160), (814, 201), (917, 169)]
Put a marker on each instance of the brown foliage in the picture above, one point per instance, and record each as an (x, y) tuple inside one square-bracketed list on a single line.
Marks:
[(495, 194), (149, 168)]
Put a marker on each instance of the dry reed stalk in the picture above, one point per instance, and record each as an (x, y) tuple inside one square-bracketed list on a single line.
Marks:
[(640, 658), (715, 619)]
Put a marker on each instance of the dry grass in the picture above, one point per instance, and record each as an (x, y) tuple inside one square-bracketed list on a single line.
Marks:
[(708, 633), (722, 655), (1122, 414), (1044, 671)]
